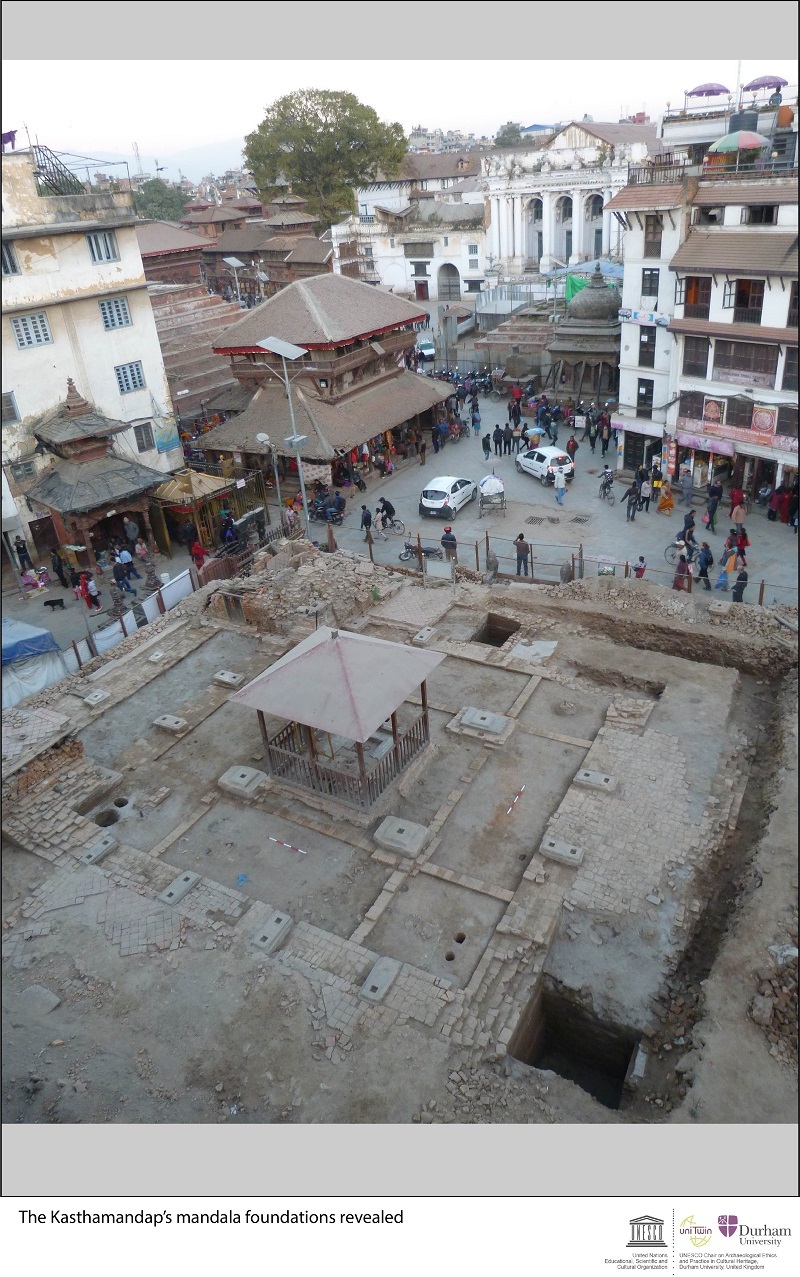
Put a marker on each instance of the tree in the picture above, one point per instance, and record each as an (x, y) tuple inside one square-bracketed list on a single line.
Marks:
[(157, 200), (323, 143), (509, 135)]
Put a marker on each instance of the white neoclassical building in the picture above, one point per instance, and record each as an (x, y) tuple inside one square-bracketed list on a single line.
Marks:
[(547, 204)]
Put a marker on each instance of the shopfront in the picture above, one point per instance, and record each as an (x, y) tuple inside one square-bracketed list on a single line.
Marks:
[(705, 457), (640, 441)]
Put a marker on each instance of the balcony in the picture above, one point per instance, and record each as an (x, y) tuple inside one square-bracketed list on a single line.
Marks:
[(745, 315)]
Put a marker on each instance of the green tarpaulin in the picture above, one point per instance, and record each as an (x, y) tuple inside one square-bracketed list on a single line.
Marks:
[(574, 284)]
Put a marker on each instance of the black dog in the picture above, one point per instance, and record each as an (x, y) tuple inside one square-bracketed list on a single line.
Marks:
[(54, 603)]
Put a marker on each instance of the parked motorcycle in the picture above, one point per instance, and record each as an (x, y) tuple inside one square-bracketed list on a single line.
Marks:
[(410, 551)]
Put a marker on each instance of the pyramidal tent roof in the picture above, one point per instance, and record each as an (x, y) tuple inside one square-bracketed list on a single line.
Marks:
[(340, 682)]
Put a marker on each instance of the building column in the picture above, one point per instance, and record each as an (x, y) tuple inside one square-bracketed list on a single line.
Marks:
[(493, 237), (508, 229), (547, 224), (519, 247), (608, 223), (578, 227)]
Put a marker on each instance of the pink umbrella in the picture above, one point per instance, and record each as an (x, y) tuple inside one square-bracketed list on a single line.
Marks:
[(707, 91), (765, 82)]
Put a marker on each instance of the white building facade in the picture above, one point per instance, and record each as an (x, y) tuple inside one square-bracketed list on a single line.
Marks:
[(547, 205), (75, 305), (722, 388)]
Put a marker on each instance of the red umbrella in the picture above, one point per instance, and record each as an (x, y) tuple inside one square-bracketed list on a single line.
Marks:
[(707, 91), (765, 82)]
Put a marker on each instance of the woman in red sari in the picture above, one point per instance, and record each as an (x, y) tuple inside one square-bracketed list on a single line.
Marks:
[(198, 554), (736, 498)]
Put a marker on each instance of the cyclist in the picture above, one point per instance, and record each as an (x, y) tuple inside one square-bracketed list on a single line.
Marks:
[(607, 477), (387, 510)]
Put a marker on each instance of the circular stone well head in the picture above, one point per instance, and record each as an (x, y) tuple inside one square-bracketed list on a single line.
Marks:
[(106, 818)]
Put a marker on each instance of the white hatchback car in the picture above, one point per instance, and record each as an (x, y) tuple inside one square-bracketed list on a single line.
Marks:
[(542, 463), (446, 494), (426, 349)]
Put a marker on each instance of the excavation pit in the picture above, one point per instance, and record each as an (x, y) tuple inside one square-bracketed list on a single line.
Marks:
[(106, 818), (562, 1037), (496, 630)]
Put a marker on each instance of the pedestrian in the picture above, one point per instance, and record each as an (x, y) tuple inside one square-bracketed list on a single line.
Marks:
[(75, 582), (645, 495), (57, 565), (631, 495), (742, 542), (23, 557), (736, 497), (605, 437), (712, 507), (592, 434), (121, 578), (516, 413), (140, 549), (739, 514), (560, 485), (554, 432), (639, 568), (705, 560), (665, 504), (423, 448), (435, 439), (507, 437), (687, 533), (378, 519), (497, 436), (682, 572), (449, 544), (198, 553), (739, 587), (572, 447), (793, 504), (516, 435), (131, 530), (189, 533), (476, 421), (642, 474), (442, 433), (126, 559), (727, 564), (366, 522), (89, 591), (486, 444), (687, 486), (523, 553)]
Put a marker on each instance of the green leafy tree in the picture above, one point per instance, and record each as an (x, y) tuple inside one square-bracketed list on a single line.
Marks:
[(323, 143), (157, 200), (509, 135)]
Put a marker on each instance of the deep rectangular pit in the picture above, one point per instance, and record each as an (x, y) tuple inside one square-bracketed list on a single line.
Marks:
[(496, 630), (556, 1033)]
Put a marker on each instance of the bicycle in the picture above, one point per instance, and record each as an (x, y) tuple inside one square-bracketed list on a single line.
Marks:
[(394, 525), (676, 548), (607, 491)]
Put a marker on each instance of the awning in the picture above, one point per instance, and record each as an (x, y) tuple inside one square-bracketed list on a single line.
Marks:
[(191, 486), (740, 253), (734, 332), (338, 682)]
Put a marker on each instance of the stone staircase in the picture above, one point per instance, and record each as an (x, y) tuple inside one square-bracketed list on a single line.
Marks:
[(189, 322)]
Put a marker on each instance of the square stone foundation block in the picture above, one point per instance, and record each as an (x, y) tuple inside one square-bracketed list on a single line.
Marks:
[(596, 780), (380, 979), (169, 723), (227, 678), (242, 782), (564, 852), (274, 930), (401, 835)]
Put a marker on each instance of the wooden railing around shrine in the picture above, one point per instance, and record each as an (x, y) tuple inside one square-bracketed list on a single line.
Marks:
[(290, 761)]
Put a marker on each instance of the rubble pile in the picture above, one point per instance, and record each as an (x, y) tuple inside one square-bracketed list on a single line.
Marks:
[(302, 579), (774, 1007), (46, 764)]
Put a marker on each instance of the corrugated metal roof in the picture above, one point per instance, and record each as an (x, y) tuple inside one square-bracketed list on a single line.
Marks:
[(647, 198), (338, 682), (712, 195), (755, 252), (326, 310), (190, 486), (73, 487), (165, 237), (733, 332)]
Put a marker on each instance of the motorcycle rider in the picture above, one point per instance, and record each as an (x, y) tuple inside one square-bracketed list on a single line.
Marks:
[(335, 505)]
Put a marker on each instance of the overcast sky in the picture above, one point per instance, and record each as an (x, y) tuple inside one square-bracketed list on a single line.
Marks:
[(169, 107)]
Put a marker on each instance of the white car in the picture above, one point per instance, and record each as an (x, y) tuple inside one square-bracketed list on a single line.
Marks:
[(542, 463), (446, 494), (426, 349)]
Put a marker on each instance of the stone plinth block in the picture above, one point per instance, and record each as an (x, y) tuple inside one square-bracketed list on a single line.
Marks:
[(719, 608), (155, 657), (484, 721), (98, 849), (227, 678), (178, 888), (169, 723), (424, 636), (596, 780), (564, 852), (242, 782), (272, 932), (401, 835), (380, 979), (94, 698)]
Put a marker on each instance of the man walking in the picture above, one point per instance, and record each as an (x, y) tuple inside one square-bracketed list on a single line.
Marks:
[(449, 544), (705, 560), (486, 444), (687, 487), (605, 437), (631, 495), (366, 522), (121, 578), (131, 528), (523, 553), (126, 559), (497, 436), (714, 498), (646, 492), (572, 447), (423, 448), (560, 484), (507, 437)]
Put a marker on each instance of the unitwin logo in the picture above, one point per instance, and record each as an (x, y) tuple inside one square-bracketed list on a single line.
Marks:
[(750, 1234), (698, 1234)]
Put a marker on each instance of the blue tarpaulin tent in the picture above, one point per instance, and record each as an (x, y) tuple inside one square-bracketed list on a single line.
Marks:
[(32, 660), (610, 270)]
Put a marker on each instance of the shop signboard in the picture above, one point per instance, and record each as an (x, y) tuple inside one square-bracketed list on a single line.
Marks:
[(735, 433), (650, 428), (702, 443), (650, 318), (672, 456)]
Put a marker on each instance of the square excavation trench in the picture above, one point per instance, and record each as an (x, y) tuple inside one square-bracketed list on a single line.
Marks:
[(556, 1034), (438, 926), (457, 683), (495, 630)]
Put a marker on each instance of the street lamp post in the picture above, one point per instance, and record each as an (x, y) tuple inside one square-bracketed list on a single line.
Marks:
[(286, 350), (265, 439), (235, 266)]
